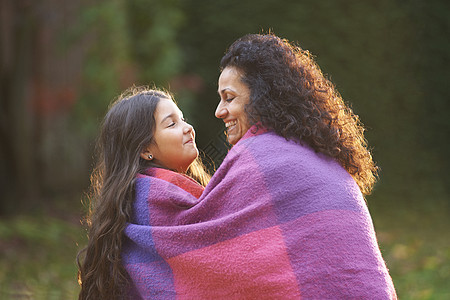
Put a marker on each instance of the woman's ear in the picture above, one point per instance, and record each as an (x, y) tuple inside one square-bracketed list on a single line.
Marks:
[(145, 154)]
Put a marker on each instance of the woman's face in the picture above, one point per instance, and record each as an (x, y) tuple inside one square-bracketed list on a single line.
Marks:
[(234, 95), (173, 143)]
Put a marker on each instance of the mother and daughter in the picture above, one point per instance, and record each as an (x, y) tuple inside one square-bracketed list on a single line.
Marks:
[(284, 215)]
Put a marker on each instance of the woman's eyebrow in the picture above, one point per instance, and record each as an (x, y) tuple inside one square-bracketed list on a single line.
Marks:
[(224, 90)]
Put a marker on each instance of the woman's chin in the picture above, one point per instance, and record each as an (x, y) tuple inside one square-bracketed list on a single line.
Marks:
[(233, 139)]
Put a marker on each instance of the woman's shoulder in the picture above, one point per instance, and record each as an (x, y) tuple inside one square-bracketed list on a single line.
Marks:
[(273, 147), (278, 157), (275, 156)]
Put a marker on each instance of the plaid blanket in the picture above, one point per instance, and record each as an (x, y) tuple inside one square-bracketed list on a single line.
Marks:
[(276, 221)]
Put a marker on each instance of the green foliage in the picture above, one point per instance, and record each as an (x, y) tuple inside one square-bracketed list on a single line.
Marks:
[(128, 43), (102, 29), (153, 26)]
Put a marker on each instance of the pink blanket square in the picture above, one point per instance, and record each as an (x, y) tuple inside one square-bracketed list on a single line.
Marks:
[(256, 269)]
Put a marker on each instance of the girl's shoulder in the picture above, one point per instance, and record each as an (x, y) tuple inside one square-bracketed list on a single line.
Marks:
[(180, 180)]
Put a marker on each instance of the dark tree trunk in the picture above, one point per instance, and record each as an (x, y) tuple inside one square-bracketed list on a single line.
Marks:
[(18, 167)]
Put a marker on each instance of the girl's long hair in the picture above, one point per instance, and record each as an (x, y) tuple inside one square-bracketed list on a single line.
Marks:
[(127, 129), (290, 95)]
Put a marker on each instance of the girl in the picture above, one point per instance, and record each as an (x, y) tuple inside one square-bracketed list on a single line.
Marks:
[(143, 135)]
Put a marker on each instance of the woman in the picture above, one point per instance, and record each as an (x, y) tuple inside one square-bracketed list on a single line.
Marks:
[(290, 126), (281, 87), (145, 144), (284, 216)]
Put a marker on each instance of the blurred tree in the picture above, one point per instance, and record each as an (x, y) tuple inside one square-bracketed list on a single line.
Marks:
[(62, 63), (16, 169), (37, 91)]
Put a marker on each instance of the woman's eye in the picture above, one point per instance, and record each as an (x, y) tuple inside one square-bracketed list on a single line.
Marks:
[(229, 99), (171, 124)]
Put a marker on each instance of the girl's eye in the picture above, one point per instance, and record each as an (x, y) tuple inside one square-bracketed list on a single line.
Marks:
[(171, 124)]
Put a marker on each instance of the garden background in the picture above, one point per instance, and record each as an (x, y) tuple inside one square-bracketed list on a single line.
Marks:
[(63, 62)]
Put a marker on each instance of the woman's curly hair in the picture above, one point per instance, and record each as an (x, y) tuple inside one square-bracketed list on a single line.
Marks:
[(290, 95)]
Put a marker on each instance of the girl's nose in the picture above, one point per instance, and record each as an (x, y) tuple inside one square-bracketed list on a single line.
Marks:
[(221, 111), (188, 128)]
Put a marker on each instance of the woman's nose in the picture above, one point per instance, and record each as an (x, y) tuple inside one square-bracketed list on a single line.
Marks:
[(221, 111)]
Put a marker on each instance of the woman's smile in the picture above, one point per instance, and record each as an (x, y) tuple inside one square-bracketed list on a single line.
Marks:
[(230, 126), (234, 96)]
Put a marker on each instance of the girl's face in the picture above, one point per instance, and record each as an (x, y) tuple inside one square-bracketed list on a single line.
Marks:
[(173, 143), (234, 95)]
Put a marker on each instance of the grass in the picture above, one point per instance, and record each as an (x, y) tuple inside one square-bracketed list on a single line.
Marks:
[(415, 244), (38, 257), (38, 251)]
